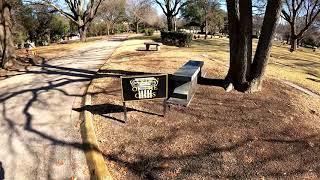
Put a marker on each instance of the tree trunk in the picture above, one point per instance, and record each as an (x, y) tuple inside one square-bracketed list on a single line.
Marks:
[(83, 33), (262, 54), (206, 22), (240, 41), (293, 43), (175, 24), (7, 49), (233, 24), (170, 22), (293, 40), (108, 29), (244, 74), (246, 18), (206, 30), (137, 27), (202, 28)]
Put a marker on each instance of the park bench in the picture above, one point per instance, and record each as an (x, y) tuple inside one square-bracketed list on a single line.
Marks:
[(184, 82), (148, 44)]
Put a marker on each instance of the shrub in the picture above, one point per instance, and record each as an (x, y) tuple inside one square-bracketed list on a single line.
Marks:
[(180, 39), (149, 32), (310, 40), (120, 28)]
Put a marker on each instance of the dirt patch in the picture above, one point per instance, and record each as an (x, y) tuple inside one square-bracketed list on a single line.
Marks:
[(273, 134)]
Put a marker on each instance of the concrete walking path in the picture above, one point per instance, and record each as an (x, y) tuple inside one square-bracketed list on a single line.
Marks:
[(40, 133)]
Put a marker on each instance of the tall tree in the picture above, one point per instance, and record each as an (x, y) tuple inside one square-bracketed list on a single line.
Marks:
[(38, 24), (112, 12), (205, 13), (7, 49), (300, 13), (81, 12), (171, 9), (19, 12), (58, 27), (245, 73), (138, 11), (216, 20)]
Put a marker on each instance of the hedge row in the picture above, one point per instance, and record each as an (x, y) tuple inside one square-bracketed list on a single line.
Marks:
[(180, 39)]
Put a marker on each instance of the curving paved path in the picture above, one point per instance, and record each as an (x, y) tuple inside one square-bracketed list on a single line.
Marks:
[(39, 132)]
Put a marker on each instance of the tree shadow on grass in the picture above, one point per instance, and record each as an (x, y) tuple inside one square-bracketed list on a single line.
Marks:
[(219, 136), (106, 110), (315, 80), (211, 82), (153, 166), (209, 161)]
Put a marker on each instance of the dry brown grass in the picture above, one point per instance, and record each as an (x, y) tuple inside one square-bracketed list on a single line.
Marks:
[(58, 50), (301, 67), (271, 134)]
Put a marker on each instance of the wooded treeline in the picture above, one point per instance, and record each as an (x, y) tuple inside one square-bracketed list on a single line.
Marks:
[(45, 21)]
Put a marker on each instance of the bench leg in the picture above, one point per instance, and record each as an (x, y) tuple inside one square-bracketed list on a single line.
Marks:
[(158, 48), (147, 47)]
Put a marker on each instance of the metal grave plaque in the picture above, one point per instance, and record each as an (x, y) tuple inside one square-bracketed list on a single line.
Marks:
[(144, 87)]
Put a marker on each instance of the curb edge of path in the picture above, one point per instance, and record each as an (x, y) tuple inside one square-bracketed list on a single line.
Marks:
[(96, 163)]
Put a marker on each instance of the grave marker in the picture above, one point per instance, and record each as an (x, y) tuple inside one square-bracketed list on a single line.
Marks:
[(144, 87)]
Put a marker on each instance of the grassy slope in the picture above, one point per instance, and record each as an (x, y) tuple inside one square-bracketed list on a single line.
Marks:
[(301, 67)]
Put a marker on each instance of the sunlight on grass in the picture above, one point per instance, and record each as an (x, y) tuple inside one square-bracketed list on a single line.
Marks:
[(58, 50), (301, 67)]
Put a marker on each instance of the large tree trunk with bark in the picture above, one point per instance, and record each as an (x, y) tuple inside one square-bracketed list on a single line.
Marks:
[(83, 32), (262, 54), (293, 44), (244, 74), (240, 30), (293, 40), (137, 27), (7, 49), (170, 22), (108, 29), (233, 24)]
